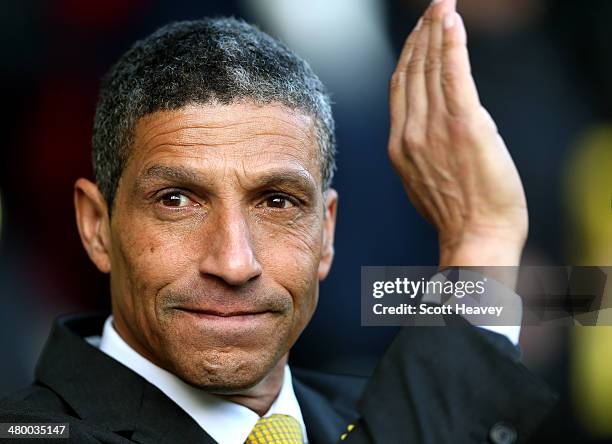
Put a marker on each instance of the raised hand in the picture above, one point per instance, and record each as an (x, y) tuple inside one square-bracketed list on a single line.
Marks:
[(447, 151)]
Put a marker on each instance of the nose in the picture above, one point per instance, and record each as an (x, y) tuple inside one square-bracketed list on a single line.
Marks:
[(229, 253)]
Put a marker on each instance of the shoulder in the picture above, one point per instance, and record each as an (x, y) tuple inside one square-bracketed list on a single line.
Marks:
[(39, 404), (35, 398)]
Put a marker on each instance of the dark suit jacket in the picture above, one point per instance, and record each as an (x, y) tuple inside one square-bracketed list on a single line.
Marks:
[(434, 385)]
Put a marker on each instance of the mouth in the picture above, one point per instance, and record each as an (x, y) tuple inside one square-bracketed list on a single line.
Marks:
[(225, 316)]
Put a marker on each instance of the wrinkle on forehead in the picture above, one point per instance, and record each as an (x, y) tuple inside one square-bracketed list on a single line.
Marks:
[(216, 121), (242, 135)]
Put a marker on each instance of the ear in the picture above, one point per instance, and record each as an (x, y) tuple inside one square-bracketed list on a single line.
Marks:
[(93, 223), (329, 226)]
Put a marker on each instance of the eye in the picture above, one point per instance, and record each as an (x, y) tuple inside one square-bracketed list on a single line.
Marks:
[(176, 200), (279, 201)]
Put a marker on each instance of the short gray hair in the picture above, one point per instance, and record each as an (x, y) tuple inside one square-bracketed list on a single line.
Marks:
[(213, 60)]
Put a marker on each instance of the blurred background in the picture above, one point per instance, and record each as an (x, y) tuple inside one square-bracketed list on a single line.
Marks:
[(543, 69)]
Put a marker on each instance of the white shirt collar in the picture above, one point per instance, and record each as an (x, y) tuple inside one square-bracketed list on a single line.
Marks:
[(224, 421)]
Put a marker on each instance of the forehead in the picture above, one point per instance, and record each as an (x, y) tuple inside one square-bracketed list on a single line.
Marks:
[(242, 135)]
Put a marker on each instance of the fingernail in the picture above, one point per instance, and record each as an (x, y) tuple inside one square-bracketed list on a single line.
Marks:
[(449, 20), (419, 23), (433, 2)]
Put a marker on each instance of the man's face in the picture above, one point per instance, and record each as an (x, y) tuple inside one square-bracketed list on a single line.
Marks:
[(218, 240)]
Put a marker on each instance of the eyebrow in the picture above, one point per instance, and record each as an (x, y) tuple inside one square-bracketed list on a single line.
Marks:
[(295, 178), (157, 173), (299, 179)]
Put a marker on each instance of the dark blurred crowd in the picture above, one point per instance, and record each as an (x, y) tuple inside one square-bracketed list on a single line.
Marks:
[(543, 69)]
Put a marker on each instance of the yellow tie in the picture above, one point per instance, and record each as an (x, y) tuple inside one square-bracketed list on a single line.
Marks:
[(276, 429)]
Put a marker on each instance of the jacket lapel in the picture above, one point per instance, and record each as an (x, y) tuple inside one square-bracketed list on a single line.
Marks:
[(162, 421), (324, 424), (103, 392)]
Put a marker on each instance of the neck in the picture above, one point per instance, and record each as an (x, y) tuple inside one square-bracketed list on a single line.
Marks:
[(260, 398)]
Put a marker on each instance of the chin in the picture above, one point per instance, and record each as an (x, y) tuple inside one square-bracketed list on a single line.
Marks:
[(225, 372)]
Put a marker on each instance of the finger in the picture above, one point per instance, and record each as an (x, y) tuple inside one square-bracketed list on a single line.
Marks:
[(397, 85), (416, 93), (433, 63), (460, 91), (408, 45)]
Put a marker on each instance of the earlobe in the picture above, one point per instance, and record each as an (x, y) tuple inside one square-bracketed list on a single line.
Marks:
[(329, 226), (93, 223)]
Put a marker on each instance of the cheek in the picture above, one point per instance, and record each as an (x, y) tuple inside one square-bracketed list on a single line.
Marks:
[(150, 258), (163, 254), (291, 258)]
